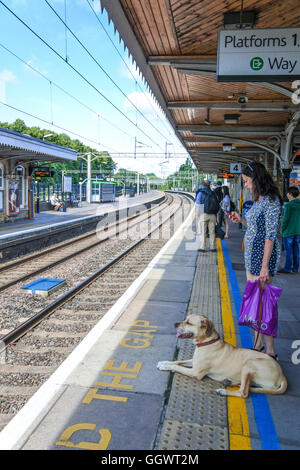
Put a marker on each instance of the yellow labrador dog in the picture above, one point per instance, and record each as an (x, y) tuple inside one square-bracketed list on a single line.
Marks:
[(252, 370)]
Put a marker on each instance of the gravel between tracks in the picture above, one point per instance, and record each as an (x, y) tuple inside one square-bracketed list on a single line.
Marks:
[(30, 361)]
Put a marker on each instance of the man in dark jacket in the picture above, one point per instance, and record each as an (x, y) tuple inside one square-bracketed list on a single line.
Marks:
[(219, 193), (290, 231), (208, 207)]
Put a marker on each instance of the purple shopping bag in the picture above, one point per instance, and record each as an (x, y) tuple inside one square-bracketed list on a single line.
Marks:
[(265, 321)]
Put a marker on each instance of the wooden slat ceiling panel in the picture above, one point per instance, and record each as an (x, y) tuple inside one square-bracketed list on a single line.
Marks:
[(206, 88), (173, 85), (188, 29), (152, 26), (216, 117), (197, 23)]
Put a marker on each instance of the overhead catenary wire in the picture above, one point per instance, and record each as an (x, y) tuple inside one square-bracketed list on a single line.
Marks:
[(51, 83), (102, 68), (75, 70), (55, 125), (115, 153), (128, 68)]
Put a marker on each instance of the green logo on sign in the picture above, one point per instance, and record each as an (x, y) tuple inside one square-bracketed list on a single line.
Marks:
[(256, 63)]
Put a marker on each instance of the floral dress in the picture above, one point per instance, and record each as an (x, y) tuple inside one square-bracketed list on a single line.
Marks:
[(262, 222)]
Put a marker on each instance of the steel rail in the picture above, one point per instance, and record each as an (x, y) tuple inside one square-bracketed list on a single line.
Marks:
[(64, 245), (29, 324)]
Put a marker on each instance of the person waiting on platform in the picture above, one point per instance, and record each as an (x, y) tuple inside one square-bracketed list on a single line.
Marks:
[(208, 207), (262, 247), (55, 202), (225, 204), (290, 231)]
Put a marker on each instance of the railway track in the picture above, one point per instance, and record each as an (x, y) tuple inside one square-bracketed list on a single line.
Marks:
[(40, 344), (22, 269)]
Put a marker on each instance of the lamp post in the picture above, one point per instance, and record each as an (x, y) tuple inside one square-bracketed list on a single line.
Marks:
[(89, 160)]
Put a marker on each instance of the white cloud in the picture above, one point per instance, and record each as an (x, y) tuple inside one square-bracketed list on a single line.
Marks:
[(144, 102), (130, 70), (32, 67), (19, 3), (6, 76)]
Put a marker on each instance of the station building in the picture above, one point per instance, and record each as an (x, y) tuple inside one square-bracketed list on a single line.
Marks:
[(18, 153)]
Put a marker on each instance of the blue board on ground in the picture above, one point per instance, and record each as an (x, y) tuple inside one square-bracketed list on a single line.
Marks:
[(43, 286)]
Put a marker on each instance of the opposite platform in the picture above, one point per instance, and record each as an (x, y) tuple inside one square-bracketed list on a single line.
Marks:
[(49, 218), (50, 227)]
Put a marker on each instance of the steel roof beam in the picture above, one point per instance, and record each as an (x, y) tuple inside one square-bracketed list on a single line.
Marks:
[(241, 151), (178, 61), (232, 130), (206, 66), (272, 106), (231, 139), (215, 157)]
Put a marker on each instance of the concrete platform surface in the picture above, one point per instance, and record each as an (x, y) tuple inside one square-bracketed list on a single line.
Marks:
[(109, 394)]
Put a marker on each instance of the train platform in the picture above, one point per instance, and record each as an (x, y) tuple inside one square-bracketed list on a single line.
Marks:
[(110, 396), (51, 217), (22, 237)]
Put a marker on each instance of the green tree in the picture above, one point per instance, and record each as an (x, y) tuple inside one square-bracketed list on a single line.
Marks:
[(103, 161)]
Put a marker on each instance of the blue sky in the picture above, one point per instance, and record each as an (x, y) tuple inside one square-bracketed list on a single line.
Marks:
[(40, 82)]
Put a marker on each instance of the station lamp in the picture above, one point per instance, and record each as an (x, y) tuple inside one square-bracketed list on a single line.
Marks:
[(239, 19), (231, 118), (227, 147)]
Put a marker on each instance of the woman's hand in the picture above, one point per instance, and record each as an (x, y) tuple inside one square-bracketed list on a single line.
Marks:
[(235, 217), (264, 274)]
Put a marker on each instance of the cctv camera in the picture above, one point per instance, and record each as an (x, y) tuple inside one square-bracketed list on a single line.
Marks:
[(242, 99), (227, 147)]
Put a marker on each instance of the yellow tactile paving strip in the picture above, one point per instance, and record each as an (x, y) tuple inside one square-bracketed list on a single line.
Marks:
[(196, 417), (238, 425)]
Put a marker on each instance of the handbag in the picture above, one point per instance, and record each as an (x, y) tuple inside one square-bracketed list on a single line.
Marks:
[(259, 307)]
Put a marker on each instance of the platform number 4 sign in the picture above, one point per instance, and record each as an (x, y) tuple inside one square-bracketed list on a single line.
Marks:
[(235, 168)]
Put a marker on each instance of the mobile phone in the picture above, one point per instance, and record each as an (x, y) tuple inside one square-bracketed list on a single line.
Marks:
[(228, 214)]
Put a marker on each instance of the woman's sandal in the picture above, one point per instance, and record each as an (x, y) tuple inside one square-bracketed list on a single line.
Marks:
[(259, 350), (274, 356)]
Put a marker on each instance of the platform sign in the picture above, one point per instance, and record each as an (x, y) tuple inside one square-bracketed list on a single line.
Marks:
[(258, 55), (67, 184), (44, 173), (224, 174), (13, 197), (236, 168)]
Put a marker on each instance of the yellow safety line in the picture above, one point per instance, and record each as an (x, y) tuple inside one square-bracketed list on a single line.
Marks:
[(239, 435)]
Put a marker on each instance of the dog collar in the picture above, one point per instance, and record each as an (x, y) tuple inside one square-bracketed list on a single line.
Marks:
[(208, 342)]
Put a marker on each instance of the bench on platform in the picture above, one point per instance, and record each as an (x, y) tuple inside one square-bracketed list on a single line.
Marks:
[(74, 202)]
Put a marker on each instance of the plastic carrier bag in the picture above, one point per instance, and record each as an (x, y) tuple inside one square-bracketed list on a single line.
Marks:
[(259, 307)]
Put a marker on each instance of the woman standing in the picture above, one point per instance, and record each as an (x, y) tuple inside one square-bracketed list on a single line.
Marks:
[(225, 204), (262, 247)]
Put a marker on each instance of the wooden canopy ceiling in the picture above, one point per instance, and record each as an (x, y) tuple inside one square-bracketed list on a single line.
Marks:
[(174, 43)]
